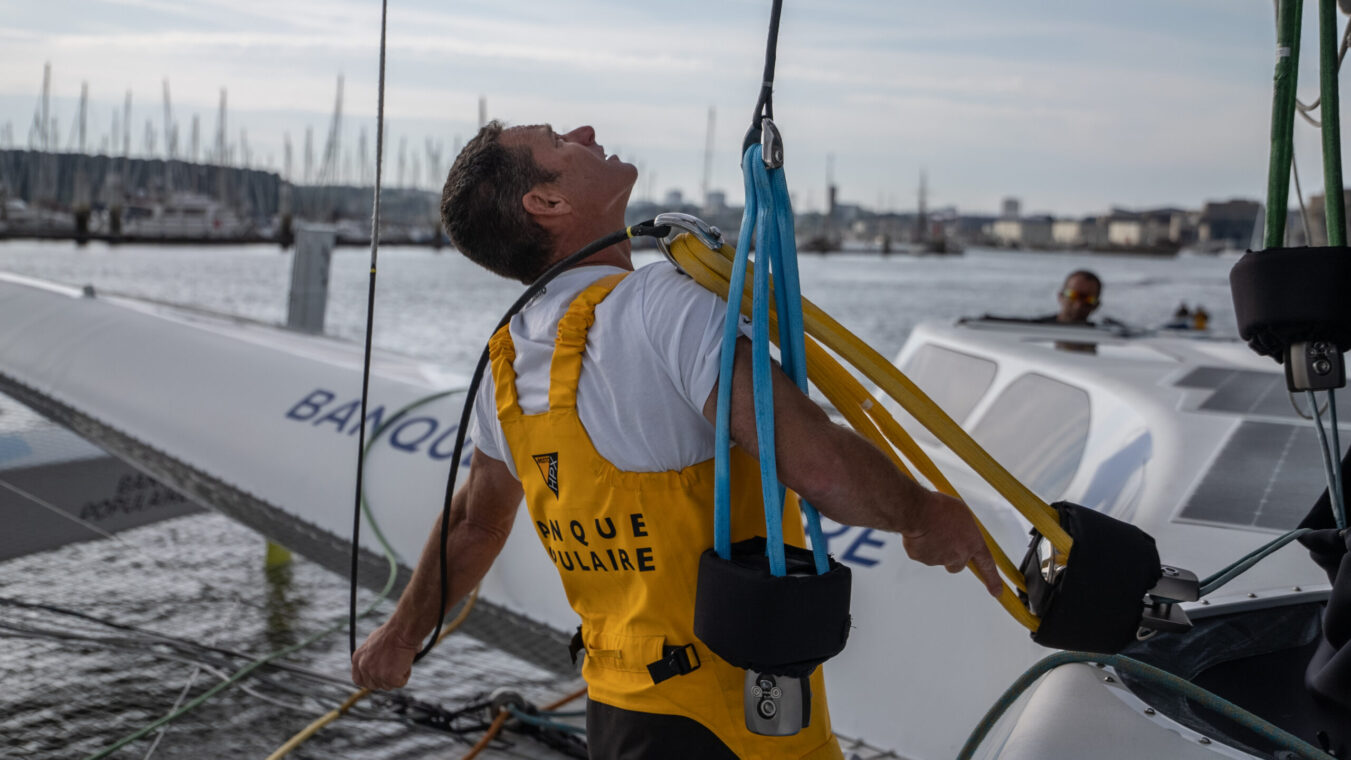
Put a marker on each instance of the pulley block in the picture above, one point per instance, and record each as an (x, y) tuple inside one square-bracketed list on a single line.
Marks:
[(1108, 591)]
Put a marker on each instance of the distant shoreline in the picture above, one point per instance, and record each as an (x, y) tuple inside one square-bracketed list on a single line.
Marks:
[(251, 239)]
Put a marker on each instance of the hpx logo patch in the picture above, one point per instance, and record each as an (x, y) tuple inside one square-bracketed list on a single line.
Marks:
[(548, 469)]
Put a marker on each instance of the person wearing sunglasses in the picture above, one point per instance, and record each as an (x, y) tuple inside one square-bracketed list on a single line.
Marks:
[(1079, 297)]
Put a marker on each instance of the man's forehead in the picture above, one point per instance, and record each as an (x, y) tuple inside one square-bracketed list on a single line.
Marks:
[(1082, 281)]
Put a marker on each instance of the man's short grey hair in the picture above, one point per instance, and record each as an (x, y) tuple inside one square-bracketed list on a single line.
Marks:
[(481, 206)]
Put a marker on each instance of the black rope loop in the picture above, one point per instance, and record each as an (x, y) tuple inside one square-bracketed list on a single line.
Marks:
[(764, 105), (366, 361)]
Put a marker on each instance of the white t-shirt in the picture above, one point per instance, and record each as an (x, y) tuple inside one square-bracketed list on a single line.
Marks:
[(650, 363)]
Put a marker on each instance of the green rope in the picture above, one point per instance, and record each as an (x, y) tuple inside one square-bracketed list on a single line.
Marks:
[(1331, 456), (1331, 130), (1153, 676), (240, 674), (540, 722), (1241, 565), (562, 713), (1282, 120)]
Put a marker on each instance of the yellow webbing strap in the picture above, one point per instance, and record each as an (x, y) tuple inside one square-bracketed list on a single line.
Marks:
[(712, 269)]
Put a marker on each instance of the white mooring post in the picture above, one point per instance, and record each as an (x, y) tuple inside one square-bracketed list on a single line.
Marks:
[(309, 278)]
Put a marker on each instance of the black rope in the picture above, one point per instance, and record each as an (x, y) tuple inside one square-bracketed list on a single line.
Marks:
[(366, 364), (187, 646), (642, 229), (764, 105)]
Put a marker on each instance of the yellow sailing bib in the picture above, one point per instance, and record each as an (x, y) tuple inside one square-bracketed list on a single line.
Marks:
[(627, 547)]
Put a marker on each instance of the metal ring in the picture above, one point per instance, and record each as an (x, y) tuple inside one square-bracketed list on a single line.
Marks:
[(704, 232), (771, 144)]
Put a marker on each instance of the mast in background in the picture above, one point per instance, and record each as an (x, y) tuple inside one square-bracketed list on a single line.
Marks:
[(708, 155)]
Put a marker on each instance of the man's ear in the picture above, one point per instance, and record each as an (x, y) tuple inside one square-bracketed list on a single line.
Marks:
[(544, 200)]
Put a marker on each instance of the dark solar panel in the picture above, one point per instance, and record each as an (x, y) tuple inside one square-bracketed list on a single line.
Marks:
[(1267, 476), (1262, 394), (1242, 392), (1204, 377)]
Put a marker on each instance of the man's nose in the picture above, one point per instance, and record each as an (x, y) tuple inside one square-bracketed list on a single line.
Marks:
[(584, 135)]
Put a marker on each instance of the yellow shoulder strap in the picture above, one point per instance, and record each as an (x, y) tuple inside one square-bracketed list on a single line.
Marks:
[(566, 367), (501, 353)]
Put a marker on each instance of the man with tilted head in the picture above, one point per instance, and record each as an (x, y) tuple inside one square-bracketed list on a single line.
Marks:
[(600, 413)]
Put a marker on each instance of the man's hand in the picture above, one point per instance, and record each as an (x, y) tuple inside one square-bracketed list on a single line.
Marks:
[(481, 515), (946, 534), (384, 661)]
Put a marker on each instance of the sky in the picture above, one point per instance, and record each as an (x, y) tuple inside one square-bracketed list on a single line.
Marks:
[(1073, 106)]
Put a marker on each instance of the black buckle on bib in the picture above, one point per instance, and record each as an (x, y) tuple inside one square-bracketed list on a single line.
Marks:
[(675, 661), (576, 646)]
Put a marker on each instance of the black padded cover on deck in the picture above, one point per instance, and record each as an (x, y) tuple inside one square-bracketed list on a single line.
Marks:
[(1288, 295), (1097, 604)]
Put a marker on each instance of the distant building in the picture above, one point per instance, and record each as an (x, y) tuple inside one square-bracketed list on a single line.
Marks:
[(1166, 228), (674, 198), (1125, 229), (1295, 234), (1157, 229), (1093, 231), (1067, 233), (1230, 223), (1318, 218), (1007, 232), (974, 228), (1010, 209), (1028, 232), (717, 202), (1037, 231)]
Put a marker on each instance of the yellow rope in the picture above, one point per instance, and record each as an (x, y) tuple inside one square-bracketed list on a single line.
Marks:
[(712, 269), (875, 423), (488, 736), (313, 728), (501, 720), (844, 393)]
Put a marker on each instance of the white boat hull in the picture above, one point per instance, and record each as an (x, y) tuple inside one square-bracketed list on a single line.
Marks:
[(261, 423)]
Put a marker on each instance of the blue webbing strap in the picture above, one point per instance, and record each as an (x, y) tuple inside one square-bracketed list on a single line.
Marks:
[(765, 242), (769, 217), (722, 466), (793, 352)]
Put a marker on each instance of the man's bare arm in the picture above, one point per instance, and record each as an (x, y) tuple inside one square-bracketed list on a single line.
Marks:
[(481, 515), (849, 480)]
